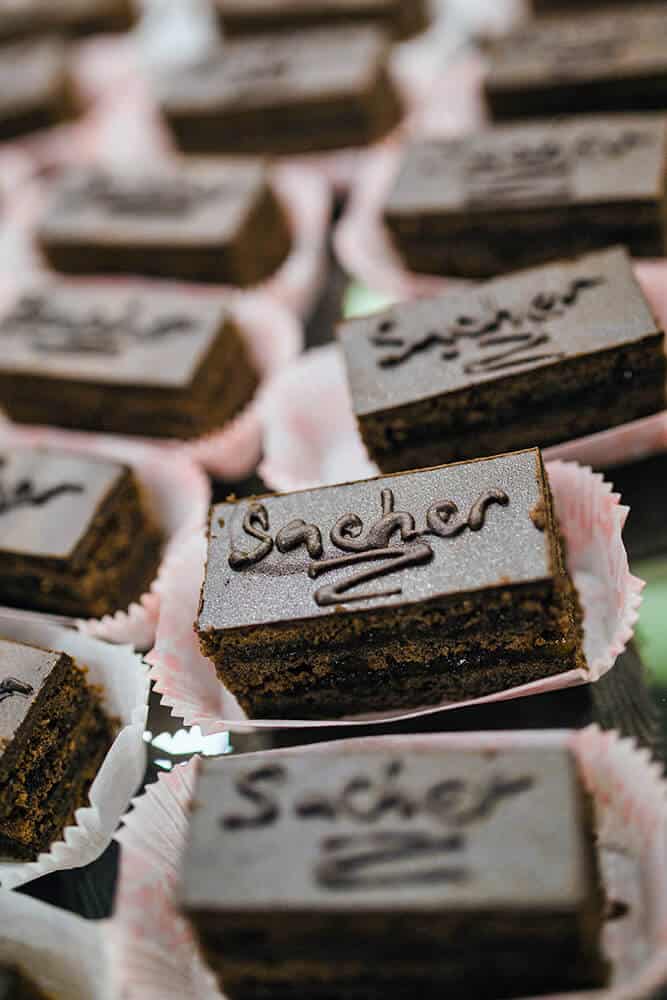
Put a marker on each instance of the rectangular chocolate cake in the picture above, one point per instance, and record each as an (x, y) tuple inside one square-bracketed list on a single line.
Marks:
[(28, 18), (395, 873), (123, 357), (390, 593), (597, 61), (34, 87), (250, 17), (216, 223), (75, 535), (539, 357), (53, 736), (284, 93), (521, 195)]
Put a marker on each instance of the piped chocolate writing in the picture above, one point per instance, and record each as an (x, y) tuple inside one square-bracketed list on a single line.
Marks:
[(359, 545), (11, 686), (174, 197), (379, 858), (50, 330), (499, 334), (24, 493)]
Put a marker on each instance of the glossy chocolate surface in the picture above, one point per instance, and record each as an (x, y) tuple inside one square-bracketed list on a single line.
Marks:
[(110, 333), (516, 168), (386, 542), (49, 499), (408, 829), (539, 318), (23, 672)]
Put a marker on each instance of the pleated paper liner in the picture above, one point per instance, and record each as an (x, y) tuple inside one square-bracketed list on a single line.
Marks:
[(591, 518), (176, 491), (65, 956), (154, 948), (124, 682)]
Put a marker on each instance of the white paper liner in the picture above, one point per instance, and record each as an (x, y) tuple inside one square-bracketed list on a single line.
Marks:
[(123, 677), (591, 518), (154, 949), (63, 954), (178, 495)]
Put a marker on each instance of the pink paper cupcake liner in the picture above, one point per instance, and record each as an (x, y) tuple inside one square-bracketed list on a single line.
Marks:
[(591, 518), (178, 495), (124, 682), (154, 949)]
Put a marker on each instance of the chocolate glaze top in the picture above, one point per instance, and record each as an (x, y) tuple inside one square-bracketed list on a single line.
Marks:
[(539, 318), (582, 160), (273, 69), (385, 542), (24, 670), (181, 206), (111, 333), (406, 829), (595, 46), (49, 499)]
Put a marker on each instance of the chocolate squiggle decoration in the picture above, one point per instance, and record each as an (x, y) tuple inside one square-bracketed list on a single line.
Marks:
[(255, 524), (487, 331), (298, 533), (443, 520), (24, 494), (350, 860), (11, 686)]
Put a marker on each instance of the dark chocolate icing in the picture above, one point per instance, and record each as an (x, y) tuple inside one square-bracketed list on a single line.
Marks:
[(12, 686), (536, 318), (419, 536), (52, 329), (497, 328), (372, 546)]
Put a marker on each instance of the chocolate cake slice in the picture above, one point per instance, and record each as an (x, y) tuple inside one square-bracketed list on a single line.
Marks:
[(390, 593), (54, 735), (605, 60), (285, 93), (522, 195), (217, 223), (76, 537), (29, 18), (124, 357), (34, 87), (538, 357), (251, 17), (395, 873)]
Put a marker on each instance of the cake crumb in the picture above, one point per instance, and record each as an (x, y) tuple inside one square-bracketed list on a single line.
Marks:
[(538, 515)]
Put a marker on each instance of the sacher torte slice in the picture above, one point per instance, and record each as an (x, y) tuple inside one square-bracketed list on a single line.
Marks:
[(521, 195), (124, 357), (605, 60), (54, 734), (211, 222), (390, 593), (538, 357), (286, 93), (395, 872)]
